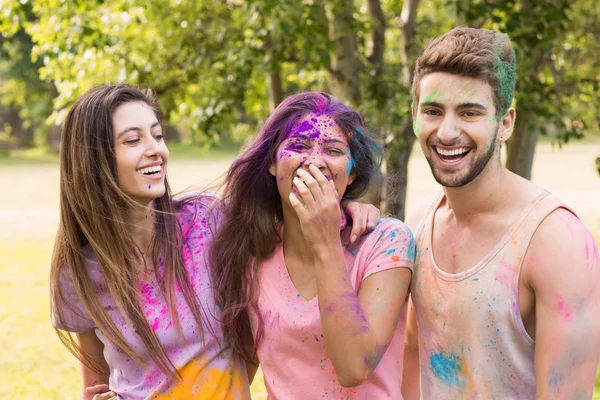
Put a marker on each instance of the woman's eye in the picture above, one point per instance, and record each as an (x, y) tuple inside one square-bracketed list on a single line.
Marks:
[(298, 146), (159, 137), (132, 141), (335, 150)]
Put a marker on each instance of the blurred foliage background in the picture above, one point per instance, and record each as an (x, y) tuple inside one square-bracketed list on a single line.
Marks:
[(220, 66)]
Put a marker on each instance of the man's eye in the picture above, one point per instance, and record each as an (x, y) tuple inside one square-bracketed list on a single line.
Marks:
[(432, 112)]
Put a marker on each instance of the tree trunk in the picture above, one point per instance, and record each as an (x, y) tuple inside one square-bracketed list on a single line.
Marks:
[(394, 199), (23, 135), (345, 65), (274, 86), (521, 146), (394, 202)]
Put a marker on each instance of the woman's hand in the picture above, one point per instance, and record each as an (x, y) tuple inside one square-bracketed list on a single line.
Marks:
[(100, 392), (318, 210), (364, 218)]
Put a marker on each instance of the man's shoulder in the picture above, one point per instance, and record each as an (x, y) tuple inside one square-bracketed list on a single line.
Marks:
[(561, 246), (416, 214)]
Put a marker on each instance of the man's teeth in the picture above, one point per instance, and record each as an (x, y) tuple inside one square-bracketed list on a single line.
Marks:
[(454, 152), (150, 170)]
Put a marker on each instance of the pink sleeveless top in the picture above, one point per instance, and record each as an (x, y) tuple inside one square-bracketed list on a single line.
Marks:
[(472, 341)]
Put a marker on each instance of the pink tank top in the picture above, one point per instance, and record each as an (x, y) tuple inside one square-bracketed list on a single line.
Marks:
[(472, 341)]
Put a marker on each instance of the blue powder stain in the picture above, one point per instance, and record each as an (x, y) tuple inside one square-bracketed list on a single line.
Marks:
[(352, 252), (446, 368), (390, 251), (556, 379), (351, 165), (475, 279), (412, 249)]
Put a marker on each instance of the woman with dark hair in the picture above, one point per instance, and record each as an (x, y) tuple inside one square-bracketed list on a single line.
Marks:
[(129, 273), (324, 319)]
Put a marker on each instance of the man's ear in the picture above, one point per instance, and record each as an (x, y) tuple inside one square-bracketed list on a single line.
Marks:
[(507, 124)]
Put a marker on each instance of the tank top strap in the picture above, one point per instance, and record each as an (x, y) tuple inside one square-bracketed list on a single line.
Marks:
[(544, 205), (425, 221)]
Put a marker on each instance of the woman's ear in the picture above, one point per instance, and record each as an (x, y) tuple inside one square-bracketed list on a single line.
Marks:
[(272, 170), (351, 177)]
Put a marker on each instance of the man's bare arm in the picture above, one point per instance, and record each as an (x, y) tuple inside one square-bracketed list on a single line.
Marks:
[(562, 268)]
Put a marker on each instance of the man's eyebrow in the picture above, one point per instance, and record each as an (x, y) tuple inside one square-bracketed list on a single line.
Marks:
[(136, 129), (460, 106), (472, 105), (432, 104)]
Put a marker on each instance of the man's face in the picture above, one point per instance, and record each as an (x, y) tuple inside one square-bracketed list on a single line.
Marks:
[(456, 125)]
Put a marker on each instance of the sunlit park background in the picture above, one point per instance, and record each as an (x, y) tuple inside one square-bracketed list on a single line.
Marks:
[(219, 67)]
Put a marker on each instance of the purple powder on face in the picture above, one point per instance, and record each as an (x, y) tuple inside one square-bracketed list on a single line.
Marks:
[(149, 186)]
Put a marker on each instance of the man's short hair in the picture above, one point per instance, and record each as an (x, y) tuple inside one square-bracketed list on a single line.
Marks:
[(475, 53)]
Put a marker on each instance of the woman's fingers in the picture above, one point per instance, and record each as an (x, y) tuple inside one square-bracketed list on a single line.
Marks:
[(97, 389), (307, 197), (105, 396), (299, 207), (311, 183), (321, 179)]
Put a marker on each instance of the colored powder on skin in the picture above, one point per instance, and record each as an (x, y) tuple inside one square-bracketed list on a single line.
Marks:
[(351, 164), (564, 307), (416, 129), (446, 368), (556, 380), (436, 95), (149, 186)]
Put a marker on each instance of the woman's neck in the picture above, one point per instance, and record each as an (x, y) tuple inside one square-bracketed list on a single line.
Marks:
[(141, 226)]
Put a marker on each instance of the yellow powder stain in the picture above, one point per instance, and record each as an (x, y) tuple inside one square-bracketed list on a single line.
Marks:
[(469, 377), (200, 382)]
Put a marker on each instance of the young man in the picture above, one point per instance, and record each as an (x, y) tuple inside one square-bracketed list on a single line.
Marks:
[(506, 287)]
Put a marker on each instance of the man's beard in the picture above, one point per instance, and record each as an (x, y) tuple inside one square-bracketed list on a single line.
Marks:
[(449, 180)]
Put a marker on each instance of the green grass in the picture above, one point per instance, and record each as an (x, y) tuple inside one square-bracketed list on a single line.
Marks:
[(35, 364)]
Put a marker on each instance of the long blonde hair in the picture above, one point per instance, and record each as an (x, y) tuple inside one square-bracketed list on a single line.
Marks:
[(94, 211)]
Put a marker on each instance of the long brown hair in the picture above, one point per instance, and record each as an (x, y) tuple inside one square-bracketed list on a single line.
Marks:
[(252, 208), (94, 211)]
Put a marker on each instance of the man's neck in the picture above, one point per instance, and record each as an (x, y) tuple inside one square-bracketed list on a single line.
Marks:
[(487, 193)]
